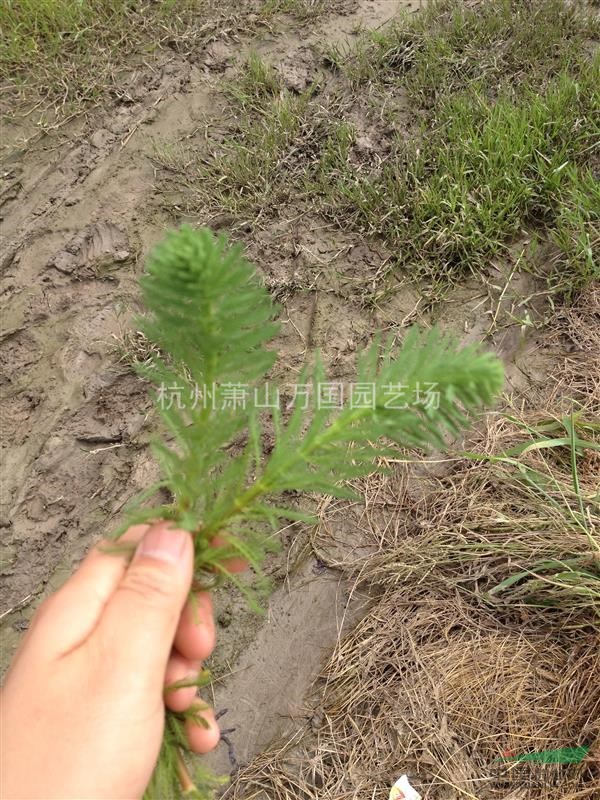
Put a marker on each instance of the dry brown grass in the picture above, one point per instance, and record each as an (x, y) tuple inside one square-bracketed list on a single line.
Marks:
[(443, 675), (133, 348), (418, 689), (581, 369)]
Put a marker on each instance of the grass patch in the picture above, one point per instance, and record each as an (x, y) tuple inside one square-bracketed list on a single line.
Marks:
[(59, 56), (498, 142), (248, 174), (34, 29), (255, 168), (500, 136), (67, 49), (257, 83), (576, 232), (449, 46), (489, 170)]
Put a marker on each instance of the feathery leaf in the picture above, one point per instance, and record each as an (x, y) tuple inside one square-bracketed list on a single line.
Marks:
[(210, 319)]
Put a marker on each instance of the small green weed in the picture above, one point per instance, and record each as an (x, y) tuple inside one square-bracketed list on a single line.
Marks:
[(209, 322), (257, 81)]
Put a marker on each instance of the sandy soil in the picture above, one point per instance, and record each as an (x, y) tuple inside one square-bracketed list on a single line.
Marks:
[(81, 210)]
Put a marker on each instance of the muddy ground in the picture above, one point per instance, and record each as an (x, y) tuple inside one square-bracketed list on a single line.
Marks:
[(82, 207)]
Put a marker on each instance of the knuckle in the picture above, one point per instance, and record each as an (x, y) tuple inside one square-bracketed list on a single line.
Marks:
[(152, 586)]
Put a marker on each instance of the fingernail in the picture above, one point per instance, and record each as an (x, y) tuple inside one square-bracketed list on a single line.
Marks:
[(164, 544)]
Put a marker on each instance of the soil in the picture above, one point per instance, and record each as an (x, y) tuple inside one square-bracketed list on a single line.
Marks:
[(81, 211)]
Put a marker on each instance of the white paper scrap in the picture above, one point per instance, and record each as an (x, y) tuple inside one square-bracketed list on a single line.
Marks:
[(402, 790)]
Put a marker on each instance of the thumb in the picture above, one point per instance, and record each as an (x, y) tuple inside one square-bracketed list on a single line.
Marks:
[(140, 619)]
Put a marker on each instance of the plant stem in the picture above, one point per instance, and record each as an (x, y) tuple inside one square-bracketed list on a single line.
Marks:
[(263, 486), (188, 787)]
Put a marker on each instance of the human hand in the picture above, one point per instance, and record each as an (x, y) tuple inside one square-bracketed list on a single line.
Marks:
[(83, 704)]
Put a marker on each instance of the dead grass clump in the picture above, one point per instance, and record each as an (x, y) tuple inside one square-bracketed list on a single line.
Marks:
[(579, 378), (483, 640), (515, 533), (425, 687), (132, 347), (420, 688), (515, 527)]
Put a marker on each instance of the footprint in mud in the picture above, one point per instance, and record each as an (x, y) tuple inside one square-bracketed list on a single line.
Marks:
[(95, 246), (16, 413), (18, 351)]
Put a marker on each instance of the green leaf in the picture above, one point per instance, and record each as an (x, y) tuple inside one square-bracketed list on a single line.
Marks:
[(208, 311)]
